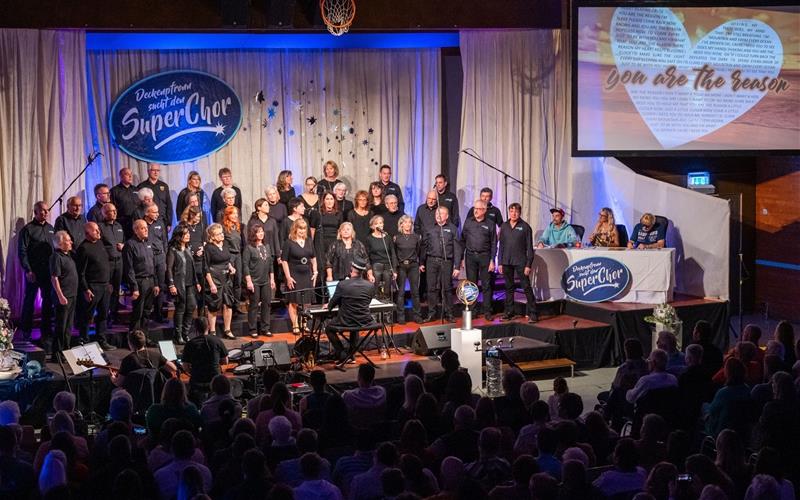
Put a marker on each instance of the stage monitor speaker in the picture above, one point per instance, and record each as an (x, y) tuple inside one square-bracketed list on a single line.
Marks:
[(235, 12), (274, 354), (431, 339)]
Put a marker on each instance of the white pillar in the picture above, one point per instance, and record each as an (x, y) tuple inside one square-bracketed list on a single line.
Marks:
[(463, 343)]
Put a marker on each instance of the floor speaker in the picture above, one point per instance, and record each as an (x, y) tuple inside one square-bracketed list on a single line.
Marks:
[(274, 354), (428, 340)]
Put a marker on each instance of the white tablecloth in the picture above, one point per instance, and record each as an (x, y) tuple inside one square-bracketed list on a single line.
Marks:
[(652, 272)]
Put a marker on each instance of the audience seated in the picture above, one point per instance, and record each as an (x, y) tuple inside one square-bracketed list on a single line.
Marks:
[(658, 378), (174, 404), (667, 342), (626, 476), (289, 471), (730, 402), (220, 391), (168, 477), (367, 400), (314, 485), (490, 469), (712, 355), (368, 484), (17, 477)]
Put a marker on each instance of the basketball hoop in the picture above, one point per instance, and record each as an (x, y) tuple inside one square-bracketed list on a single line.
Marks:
[(338, 15)]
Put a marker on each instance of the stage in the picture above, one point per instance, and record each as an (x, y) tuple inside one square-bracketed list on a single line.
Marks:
[(592, 335)]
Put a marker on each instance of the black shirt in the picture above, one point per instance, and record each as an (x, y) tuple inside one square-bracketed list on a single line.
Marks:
[(285, 196), (204, 354), (442, 242), (353, 297), (426, 218), (138, 262), (408, 247), (92, 263), (480, 237), (325, 185), (161, 198), (360, 224), (492, 213), (144, 358), (197, 234), (277, 212), (516, 244), (95, 214), (449, 200), (257, 263), (340, 259), (381, 250), (392, 188), (157, 235), (390, 220), (181, 203), (35, 246), (74, 226), (271, 231), (112, 233), (126, 200), (63, 267), (217, 203)]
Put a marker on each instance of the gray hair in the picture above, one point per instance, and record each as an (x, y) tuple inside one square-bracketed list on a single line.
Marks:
[(144, 192), (60, 236), (763, 487), (479, 204), (694, 354), (64, 400), (228, 192), (270, 189), (405, 218), (659, 358), (389, 197)]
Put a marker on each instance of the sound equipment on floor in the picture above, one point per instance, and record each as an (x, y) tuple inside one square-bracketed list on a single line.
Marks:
[(430, 340)]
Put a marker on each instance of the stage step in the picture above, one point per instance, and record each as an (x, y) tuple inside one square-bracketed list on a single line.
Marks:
[(548, 364)]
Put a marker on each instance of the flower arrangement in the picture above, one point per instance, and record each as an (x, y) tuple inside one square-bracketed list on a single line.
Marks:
[(6, 330), (664, 314)]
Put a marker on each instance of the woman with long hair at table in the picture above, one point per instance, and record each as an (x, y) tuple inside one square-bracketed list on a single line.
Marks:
[(219, 286), (340, 255), (233, 242), (284, 186), (300, 269), (330, 176), (360, 216), (605, 232), (259, 280), (407, 245), (382, 258), (182, 282), (376, 196)]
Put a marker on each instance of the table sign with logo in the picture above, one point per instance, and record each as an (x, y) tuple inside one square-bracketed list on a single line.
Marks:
[(596, 279), (175, 116)]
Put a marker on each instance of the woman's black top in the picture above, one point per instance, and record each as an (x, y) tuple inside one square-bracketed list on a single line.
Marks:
[(233, 241), (197, 240), (182, 203), (271, 232), (217, 260), (257, 263), (326, 185), (285, 196), (377, 249), (329, 224), (407, 247), (278, 212), (360, 224), (340, 258)]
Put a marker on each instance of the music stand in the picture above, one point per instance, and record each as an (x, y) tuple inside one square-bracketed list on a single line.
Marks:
[(94, 353)]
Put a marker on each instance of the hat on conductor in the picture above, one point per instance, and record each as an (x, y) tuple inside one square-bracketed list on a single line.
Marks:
[(559, 210), (359, 263)]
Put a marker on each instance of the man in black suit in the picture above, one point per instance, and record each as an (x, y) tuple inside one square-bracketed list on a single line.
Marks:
[(353, 296), (35, 245)]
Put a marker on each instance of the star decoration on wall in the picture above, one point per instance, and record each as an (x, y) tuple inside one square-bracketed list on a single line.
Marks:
[(371, 131), (271, 113), (264, 123), (311, 120), (365, 142), (260, 97), (274, 104)]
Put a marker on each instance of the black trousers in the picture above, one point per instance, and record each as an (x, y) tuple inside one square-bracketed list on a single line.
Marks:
[(524, 282), (43, 285), (65, 314), (383, 280), (116, 283), (477, 267), (97, 307), (259, 308), (236, 279), (143, 306), (161, 281), (440, 284), (185, 305), (201, 278), (410, 272), (336, 342)]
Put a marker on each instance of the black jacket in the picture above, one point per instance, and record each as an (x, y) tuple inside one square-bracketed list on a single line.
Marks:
[(516, 244), (161, 198), (176, 272), (35, 246), (353, 296)]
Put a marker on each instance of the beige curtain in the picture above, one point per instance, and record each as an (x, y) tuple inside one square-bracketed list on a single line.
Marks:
[(44, 137), (515, 115), (360, 108)]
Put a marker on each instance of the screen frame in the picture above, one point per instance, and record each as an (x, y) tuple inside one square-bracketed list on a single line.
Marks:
[(582, 153)]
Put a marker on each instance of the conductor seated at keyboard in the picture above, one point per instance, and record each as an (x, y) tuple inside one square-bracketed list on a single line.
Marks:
[(353, 297)]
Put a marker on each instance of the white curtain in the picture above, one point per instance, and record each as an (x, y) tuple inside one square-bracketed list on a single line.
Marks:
[(44, 136), (360, 108), (515, 115)]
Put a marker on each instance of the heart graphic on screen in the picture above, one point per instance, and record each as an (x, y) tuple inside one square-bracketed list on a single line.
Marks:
[(649, 40)]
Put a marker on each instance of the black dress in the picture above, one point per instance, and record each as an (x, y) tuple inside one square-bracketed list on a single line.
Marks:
[(285, 196), (326, 185), (329, 227), (216, 263), (360, 224), (233, 242), (299, 261), (339, 258)]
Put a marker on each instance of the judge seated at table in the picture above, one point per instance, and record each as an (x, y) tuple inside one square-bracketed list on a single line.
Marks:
[(558, 234), (605, 232), (648, 233)]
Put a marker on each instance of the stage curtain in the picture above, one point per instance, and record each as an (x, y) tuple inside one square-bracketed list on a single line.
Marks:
[(515, 115), (44, 137), (360, 108)]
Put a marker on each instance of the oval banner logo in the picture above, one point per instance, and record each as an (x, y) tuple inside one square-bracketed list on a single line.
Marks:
[(595, 279), (175, 116)]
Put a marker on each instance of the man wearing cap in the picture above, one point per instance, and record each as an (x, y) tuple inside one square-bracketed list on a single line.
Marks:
[(558, 234), (352, 296)]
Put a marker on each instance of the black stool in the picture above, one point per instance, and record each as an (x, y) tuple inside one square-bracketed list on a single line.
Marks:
[(372, 330)]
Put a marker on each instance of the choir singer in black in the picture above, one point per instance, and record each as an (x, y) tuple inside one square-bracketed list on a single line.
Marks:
[(94, 276), (139, 272), (440, 250), (259, 278), (352, 297), (182, 282), (516, 258)]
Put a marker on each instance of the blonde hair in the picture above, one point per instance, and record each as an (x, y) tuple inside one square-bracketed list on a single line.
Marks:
[(334, 165), (403, 220), (341, 226), (212, 229), (296, 226), (374, 220), (648, 217)]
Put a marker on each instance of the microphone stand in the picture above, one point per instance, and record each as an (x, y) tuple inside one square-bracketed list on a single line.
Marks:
[(60, 200)]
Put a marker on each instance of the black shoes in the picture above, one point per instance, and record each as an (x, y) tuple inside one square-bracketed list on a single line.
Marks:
[(533, 318), (508, 316), (104, 345), (177, 340)]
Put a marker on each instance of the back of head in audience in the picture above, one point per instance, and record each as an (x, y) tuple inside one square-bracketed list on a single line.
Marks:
[(734, 371), (280, 429), (9, 412), (64, 401), (366, 375), (254, 465), (307, 440), (386, 454), (529, 393), (570, 406), (512, 381), (392, 482), (182, 445), (449, 360), (763, 487), (220, 385), (658, 360), (543, 487), (310, 466), (702, 332), (659, 479), (694, 354), (633, 349), (62, 422), (317, 380), (414, 367), (752, 333), (452, 470), (626, 457)]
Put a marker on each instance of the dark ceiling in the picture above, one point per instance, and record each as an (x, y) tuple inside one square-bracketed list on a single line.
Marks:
[(303, 15)]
